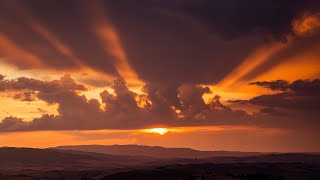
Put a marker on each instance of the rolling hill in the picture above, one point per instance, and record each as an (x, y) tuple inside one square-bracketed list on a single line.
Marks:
[(16, 159), (60, 163), (155, 151)]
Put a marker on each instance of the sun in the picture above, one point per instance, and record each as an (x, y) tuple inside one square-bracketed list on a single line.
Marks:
[(160, 131)]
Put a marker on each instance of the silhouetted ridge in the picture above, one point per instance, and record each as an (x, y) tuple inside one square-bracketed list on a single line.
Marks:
[(155, 151)]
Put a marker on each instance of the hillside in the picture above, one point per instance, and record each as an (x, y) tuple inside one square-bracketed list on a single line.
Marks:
[(28, 163), (155, 151), (15, 159)]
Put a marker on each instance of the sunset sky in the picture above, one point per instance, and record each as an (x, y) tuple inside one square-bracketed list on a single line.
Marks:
[(205, 74)]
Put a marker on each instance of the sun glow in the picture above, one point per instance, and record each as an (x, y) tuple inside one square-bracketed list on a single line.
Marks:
[(160, 131)]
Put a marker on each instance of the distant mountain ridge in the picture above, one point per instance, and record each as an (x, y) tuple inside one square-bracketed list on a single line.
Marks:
[(15, 159), (156, 151)]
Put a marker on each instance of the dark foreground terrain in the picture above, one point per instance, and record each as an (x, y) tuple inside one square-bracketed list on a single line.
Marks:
[(27, 163), (224, 171), (228, 171)]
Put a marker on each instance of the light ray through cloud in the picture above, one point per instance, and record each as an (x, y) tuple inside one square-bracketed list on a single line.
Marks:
[(57, 43), (18, 54), (108, 35), (305, 25)]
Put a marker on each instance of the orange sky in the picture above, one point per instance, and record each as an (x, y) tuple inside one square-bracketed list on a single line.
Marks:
[(203, 138)]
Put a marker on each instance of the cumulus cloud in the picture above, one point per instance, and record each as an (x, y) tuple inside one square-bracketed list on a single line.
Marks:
[(12, 124), (23, 83), (192, 103), (300, 94), (120, 109), (162, 98), (170, 62), (123, 100)]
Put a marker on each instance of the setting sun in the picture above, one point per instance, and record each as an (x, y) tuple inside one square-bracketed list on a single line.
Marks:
[(160, 131)]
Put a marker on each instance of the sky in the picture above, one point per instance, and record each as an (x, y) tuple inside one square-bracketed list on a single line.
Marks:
[(204, 74)]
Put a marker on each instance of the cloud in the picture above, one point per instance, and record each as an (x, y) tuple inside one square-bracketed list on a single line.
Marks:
[(12, 124), (192, 103), (293, 105), (305, 87), (233, 19), (162, 98), (300, 94), (308, 24), (139, 52), (25, 96), (118, 110), (121, 110), (172, 46), (279, 85), (76, 111), (23, 83), (122, 101), (94, 81)]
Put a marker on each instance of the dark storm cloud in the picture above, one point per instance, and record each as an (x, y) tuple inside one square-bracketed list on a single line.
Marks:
[(231, 19), (153, 40), (156, 42), (160, 35)]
